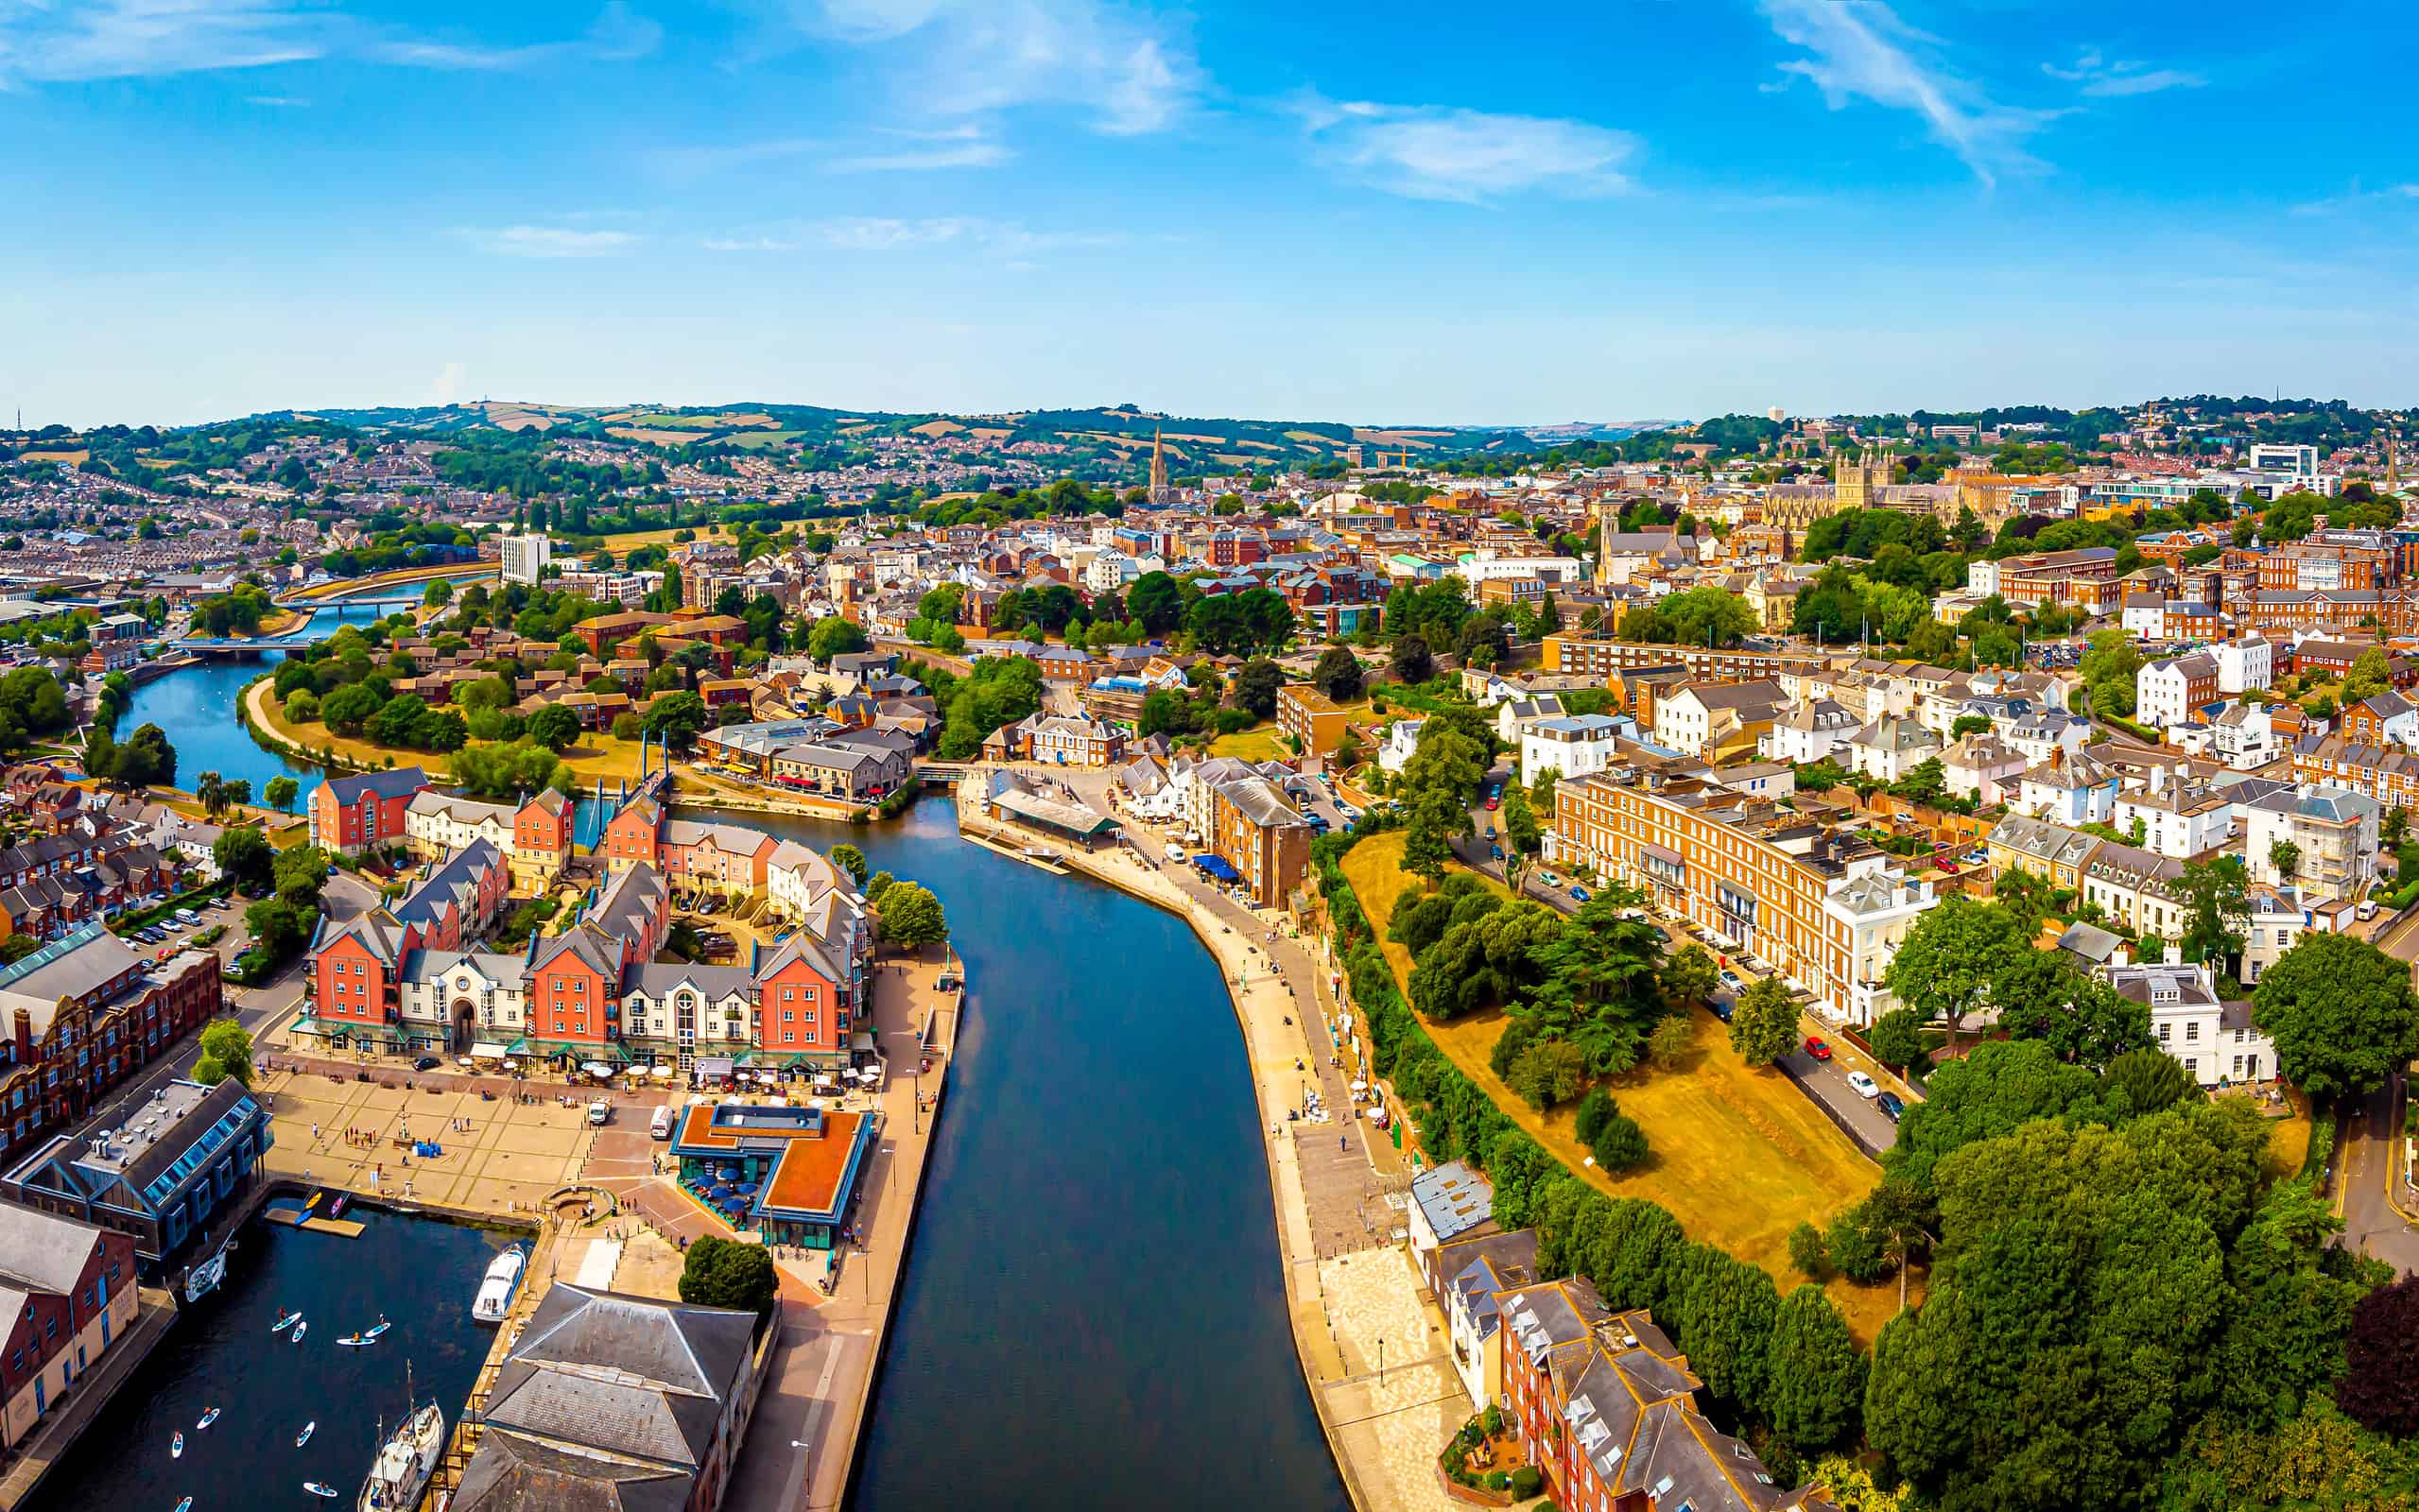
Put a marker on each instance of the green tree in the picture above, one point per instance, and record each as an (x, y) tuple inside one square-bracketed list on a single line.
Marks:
[(719, 1273), (1337, 675), (1945, 966), (2028, 896), (2040, 996), (1412, 662), (1897, 1038), (1547, 1072), (2371, 674), (226, 1051), (1763, 1024), (911, 916), (1255, 687), (1621, 1144), (1814, 1373), (851, 859), (1521, 835), (1689, 977), (676, 718), (554, 727), (281, 792), (834, 635), (2287, 858), (2216, 898), (2108, 668), (244, 857), (2341, 1013), (349, 708), (302, 707)]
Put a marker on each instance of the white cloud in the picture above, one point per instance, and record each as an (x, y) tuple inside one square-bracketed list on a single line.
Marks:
[(547, 241), (277, 102), (2357, 197), (880, 233), (2102, 79), (447, 386), (76, 40), (1859, 50), (1429, 152), (688, 162), (1133, 70), (966, 146)]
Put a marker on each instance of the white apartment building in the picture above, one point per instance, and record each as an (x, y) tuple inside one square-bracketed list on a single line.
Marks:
[(2179, 820), (490, 983), (523, 557), (2333, 829), (1573, 745), (2168, 692), (2244, 664), (1808, 732), (2215, 1041), (1484, 565)]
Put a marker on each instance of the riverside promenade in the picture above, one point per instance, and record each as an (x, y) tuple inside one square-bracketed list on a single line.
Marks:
[(1372, 1350)]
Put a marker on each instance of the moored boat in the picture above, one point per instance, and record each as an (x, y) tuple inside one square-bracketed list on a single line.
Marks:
[(404, 1462), (495, 1290)]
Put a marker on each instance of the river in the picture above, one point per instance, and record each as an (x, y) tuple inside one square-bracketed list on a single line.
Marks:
[(419, 1273), (1094, 1314)]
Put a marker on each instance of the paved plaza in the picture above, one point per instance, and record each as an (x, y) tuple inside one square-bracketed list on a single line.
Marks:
[(505, 1159)]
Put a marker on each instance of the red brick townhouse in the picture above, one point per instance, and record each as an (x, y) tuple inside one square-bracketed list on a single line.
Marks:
[(357, 814)]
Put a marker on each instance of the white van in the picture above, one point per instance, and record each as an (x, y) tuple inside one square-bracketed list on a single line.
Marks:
[(660, 1125), (187, 917), (599, 1110)]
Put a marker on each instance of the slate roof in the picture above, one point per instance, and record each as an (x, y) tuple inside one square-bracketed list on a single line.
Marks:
[(514, 1473)]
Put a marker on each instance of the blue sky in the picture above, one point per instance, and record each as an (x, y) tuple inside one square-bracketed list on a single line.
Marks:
[(1382, 213)]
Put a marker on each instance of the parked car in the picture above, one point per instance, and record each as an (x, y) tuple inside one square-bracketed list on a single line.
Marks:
[(1732, 980), (1491, 804), (1579, 895), (1494, 852), (427, 1063), (1721, 1007), (1865, 1085), (1892, 1105), (1549, 879), (1818, 1047), (1491, 831)]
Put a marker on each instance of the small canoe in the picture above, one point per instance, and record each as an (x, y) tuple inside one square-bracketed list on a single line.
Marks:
[(305, 1436), (176, 1446), (207, 1419), (317, 1489), (335, 1209), (298, 1332), (354, 1341), (186, 1506), (285, 1321), (382, 1328)]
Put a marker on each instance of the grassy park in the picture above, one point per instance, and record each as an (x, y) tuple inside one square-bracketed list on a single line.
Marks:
[(1740, 1157)]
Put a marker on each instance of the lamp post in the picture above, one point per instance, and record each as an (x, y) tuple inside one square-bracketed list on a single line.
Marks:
[(1381, 1360)]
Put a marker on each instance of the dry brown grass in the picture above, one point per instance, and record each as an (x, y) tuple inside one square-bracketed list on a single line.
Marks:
[(1739, 1156)]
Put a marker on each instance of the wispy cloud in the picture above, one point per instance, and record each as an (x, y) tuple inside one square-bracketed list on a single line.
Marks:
[(961, 147), (547, 241), (882, 233), (696, 161), (2102, 79), (74, 40), (1859, 50), (1131, 71), (447, 386), (2357, 197), (277, 102), (1434, 153)]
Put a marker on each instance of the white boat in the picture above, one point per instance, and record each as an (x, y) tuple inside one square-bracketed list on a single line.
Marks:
[(495, 1292), (406, 1460), (285, 1321), (317, 1489), (355, 1341), (305, 1436), (378, 1332), (297, 1329), (186, 1506), (176, 1446), (207, 1419)]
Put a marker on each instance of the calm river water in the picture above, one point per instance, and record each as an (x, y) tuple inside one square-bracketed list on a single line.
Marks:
[(419, 1273)]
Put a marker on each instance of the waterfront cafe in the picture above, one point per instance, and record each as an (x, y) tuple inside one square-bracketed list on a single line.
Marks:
[(787, 1173)]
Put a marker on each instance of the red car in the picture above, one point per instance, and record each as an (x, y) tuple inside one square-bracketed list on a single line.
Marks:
[(1491, 804), (1816, 1047)]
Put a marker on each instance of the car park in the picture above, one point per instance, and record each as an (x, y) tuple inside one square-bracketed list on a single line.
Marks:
[(1817, 1047), (1891, 1106), (1862, 1084)]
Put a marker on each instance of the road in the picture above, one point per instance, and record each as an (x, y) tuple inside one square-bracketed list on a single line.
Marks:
[(1826, 1082), (2373, 1193)]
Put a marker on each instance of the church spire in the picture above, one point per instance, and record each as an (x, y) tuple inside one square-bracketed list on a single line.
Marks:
[(1161, 494)]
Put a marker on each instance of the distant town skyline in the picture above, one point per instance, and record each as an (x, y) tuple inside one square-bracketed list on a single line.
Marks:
[(1381, 214)]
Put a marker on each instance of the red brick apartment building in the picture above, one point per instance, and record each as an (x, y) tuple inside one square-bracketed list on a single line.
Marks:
[(357, 814)]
